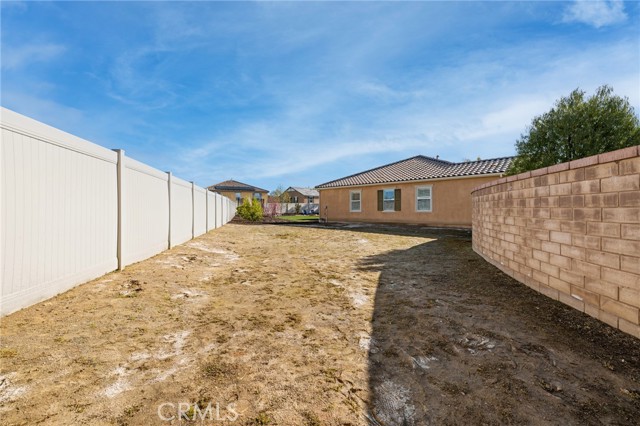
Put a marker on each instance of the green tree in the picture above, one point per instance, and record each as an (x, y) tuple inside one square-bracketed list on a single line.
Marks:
[(283, 197), (281, 194), (577, 127), (277, 192)]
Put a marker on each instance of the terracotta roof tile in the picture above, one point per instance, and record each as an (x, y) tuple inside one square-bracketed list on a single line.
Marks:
[(234, 185), (307, 192), (421, 167)]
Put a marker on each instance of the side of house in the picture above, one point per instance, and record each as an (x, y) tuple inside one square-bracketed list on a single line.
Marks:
[(418, 190)]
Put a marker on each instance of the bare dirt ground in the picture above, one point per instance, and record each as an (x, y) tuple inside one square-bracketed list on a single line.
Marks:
[(298, 325)]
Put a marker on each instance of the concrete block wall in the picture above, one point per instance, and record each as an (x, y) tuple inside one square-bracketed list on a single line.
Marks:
[(571, 232)]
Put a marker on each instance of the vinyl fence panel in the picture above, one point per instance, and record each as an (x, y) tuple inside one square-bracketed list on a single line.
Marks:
[(72, 211), (211, 211), (181, 211), (218, 210), (59, 211), (146, 213), (200, 211)]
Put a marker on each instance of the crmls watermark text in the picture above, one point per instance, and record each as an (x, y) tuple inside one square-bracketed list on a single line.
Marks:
[(169, 411)]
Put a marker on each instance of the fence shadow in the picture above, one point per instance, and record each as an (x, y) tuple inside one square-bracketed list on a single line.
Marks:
[(389, 229)]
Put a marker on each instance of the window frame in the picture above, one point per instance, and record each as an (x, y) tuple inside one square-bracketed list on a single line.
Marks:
[(351, 201), (430, 198), (392, 200)]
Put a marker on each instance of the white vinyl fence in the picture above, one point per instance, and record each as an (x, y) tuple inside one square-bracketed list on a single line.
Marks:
[(71, 211), (290, 208)]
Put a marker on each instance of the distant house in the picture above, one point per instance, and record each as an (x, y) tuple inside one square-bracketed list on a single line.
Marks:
[(418, 190), (300, 195), (239, 191)]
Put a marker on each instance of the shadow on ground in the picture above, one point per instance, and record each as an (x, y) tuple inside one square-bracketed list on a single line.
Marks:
[(456, 341)]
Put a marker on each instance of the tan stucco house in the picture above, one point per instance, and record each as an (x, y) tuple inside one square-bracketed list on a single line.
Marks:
[(238, 191), (418, 190), (301, 195)]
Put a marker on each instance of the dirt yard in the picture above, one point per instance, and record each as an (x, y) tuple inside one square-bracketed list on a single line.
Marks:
[(298, 325)]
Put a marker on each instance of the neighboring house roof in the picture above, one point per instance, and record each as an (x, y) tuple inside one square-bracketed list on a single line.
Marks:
[(234, 185), (307, 192), (421, 167)]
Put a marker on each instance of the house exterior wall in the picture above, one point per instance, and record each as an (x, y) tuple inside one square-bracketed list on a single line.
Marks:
[(451, 203), (571, 232), (245, 194), (302, 199)]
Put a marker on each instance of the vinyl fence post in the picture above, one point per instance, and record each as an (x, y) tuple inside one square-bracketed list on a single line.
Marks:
[(193, 210), (206, 209), (120, 184), (169, 193)]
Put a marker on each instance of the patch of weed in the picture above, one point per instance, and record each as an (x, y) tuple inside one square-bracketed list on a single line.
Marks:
[(216, 368), (308, 333), (8, 353), (311, 419), (86, 361), (262, 419), (293, 319)]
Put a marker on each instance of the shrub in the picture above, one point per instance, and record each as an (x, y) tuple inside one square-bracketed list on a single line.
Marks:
[(250, 210), (271, 209), (298, 207)]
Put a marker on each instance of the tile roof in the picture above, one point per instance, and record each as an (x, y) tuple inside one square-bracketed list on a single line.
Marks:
[(421, 167), (307, 192), (234, 185)]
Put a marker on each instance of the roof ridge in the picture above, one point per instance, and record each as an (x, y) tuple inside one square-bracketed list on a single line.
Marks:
[(486, 159), (432, 159), (370, 170), (241, 183)]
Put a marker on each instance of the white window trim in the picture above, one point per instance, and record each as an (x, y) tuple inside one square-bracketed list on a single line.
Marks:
[(359, 191), (394, 200), (430, 198)]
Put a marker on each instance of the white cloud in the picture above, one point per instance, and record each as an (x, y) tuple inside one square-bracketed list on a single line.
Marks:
[(597, 13), (476, 109), (15, 57)]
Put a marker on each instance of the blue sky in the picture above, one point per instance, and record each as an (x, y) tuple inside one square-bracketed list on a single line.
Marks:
[(301, 93)]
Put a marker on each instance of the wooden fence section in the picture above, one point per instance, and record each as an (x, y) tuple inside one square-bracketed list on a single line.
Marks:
[(71, 211)]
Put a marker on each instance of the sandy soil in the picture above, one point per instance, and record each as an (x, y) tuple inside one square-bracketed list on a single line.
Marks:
[(300, 325)]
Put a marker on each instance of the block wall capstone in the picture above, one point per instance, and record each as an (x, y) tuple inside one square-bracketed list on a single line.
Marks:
[(569, 231)]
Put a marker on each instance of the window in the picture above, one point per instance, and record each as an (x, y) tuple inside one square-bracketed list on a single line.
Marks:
[(238, 197), (355, 201), (257, 196), (388, 200), (294, 200), (310, 200), (423, 199)]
